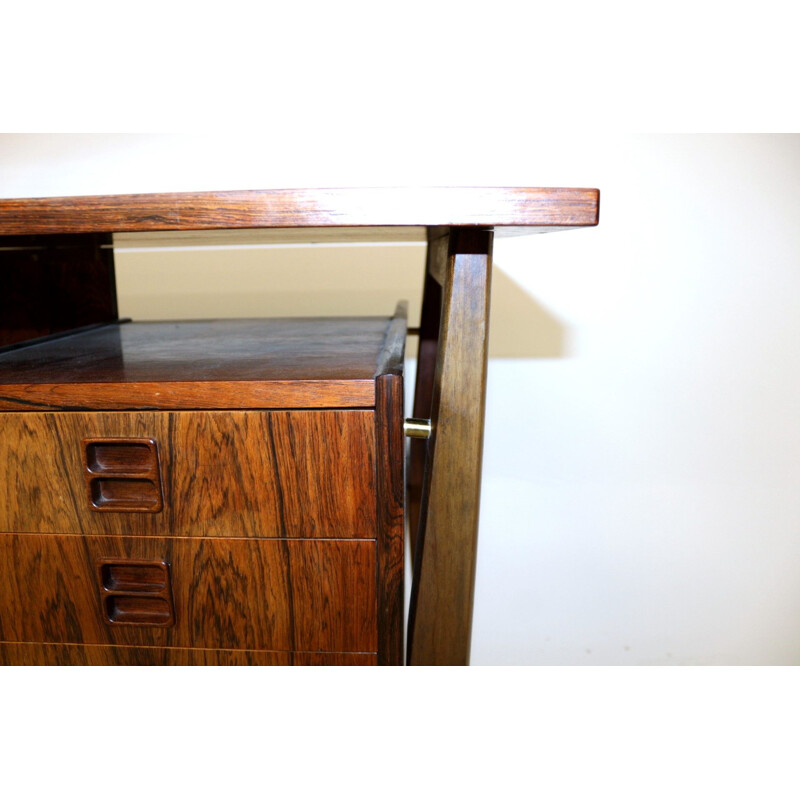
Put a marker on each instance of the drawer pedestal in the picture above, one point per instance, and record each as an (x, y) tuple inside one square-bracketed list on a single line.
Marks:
[(178, 535)]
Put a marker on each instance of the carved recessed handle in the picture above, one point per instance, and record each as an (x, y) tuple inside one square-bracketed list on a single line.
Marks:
[(123, 475), (136, 592)]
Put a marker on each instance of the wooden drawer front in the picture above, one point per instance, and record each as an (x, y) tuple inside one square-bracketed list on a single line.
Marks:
[(222, 594), (295, 474)]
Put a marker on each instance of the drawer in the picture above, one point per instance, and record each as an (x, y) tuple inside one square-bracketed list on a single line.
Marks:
[(284, 474), (160, 592)]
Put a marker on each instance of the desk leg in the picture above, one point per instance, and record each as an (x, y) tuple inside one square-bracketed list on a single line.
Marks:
[(440, 617)]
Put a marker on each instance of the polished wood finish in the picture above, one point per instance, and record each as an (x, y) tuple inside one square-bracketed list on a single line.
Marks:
[(528, 208), (277, 533), (32, 655), (234, 350), (52, 284), (390, 497), (135, 592), (295, 474), (255, 594), (427, 349), (270, 363), (436, 262), (185, 394), (440, 617), (390, 489), (392, 356), (123, 474)]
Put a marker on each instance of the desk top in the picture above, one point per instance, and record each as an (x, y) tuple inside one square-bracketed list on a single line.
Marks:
[(510, 211)]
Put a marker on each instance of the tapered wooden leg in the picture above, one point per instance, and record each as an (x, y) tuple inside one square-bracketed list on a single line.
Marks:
[(440, 617), (426, 365)]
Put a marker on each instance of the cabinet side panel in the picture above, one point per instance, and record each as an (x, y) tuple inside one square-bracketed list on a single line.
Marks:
[(391, 488)]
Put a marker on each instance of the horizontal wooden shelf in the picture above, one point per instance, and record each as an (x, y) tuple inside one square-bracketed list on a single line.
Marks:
[(261, 363), (513, 210)]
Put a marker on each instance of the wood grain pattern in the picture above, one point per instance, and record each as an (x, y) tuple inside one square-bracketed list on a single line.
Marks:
[(326, 464), (63, 655), (390, 488), (532, 208), (430, 320), (440, 616), (270, 363), (122, 474), (170, 395), (436, 261), (392, 356), (306, 595), (296, 474), (135, 592), (51, 284), (390, 496)]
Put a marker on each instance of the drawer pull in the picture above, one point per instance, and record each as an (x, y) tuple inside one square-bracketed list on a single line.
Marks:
[(134, 577), (124, 494), (123, 475), (123, 456), (132, 610), (136, 592)]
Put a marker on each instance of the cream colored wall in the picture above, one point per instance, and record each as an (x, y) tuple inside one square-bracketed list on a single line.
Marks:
[(268, 280), (642, 457), (181, 281)]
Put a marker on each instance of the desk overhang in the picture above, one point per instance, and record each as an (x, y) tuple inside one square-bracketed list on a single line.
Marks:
[(389, 213)]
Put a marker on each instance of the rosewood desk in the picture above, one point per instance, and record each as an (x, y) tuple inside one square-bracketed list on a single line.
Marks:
[(57, 280)]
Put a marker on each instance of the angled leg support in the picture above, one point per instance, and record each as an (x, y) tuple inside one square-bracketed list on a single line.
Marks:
[(440, 617)]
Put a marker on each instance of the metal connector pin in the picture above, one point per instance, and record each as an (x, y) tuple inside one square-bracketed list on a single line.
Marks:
[(418, 428)]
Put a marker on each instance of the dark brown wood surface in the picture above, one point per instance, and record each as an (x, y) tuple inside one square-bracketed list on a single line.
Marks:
[(272, 519), (123, 474), (430, 321), (228, 593), (531, 208), (185, 394), (269, 363), (390, 490), (390, 496), (440, 616), (62, 655), (51, 284), (298, 474), (392, 357)]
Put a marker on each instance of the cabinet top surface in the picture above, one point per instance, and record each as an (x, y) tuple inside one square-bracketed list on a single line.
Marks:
[(217, 363), (511, 210)]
